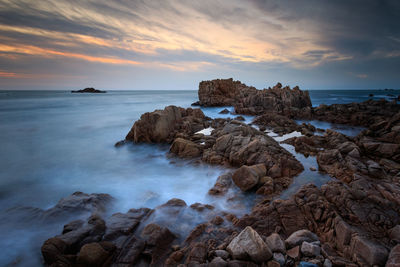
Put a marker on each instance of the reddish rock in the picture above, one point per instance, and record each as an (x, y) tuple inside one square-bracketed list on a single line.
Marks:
[(247, 177), (185, 148)]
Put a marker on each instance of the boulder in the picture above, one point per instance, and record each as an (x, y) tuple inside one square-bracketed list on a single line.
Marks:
[(372, 253), (185, 148), (248, 244), (310, 249), (275, 243), (92, 254), (298, 237), (247, 177)]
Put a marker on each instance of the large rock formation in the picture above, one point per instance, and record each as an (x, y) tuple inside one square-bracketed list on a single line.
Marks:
[(161, 126), (249, 100), (223, 92)]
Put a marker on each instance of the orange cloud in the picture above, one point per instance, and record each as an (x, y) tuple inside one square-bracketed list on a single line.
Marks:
[(34, 50)]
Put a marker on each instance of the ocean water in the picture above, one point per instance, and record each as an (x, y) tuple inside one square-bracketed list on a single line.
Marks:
[(54, 143)]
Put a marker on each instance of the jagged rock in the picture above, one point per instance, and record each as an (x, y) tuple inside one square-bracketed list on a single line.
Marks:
[(222, 184), (275, 243), (310, 249), (130, 252), (248, 244), (161, 126), (239, 144), (124, 223), (298, 237), (198, 253), (185, 148), (224, 111), (246, 177), (222, 92), (370, 252)]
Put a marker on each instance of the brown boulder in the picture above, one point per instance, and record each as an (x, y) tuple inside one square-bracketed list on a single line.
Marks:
[(185, 148), (92, 254), (248, 244), (247, 177)]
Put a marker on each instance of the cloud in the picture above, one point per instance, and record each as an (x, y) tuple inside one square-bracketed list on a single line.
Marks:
[(178, 35)]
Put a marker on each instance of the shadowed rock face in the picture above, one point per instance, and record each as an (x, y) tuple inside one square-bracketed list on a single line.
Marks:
[(249, 100)]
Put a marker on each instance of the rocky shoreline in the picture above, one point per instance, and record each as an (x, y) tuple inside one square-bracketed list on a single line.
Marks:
[(353, 220)]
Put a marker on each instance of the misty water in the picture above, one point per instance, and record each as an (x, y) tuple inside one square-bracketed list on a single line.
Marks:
[(55, 143)]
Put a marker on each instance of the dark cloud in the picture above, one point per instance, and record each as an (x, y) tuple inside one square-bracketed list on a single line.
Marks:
[(354, 27)]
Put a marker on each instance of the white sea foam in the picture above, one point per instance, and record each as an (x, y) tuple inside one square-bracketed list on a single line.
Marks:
[(206, 131)]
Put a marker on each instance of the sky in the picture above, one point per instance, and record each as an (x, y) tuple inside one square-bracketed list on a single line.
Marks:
[(174, 44)]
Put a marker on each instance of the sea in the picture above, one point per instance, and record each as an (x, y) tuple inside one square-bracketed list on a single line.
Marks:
[(54, 143)]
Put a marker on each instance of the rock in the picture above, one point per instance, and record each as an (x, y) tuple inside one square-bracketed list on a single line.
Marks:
[(394, 233), (224, 111), (372, 253), (222, 184), (53, 249), (155, 235), (275, 243), (343, 233), (130, 252), (92, 255), (240, 118), (92, 231), (394, 257), (248, 244), (161, 126), (280, 258), (327, 263), (222, 254), (294, 253), (246, 177), (313, 169), (198, 253), (310, 249), (185, 148), (249, 100), (217, 261), (77, 203), (88, 90), (298, 237), (222, 92), (124, 223)]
